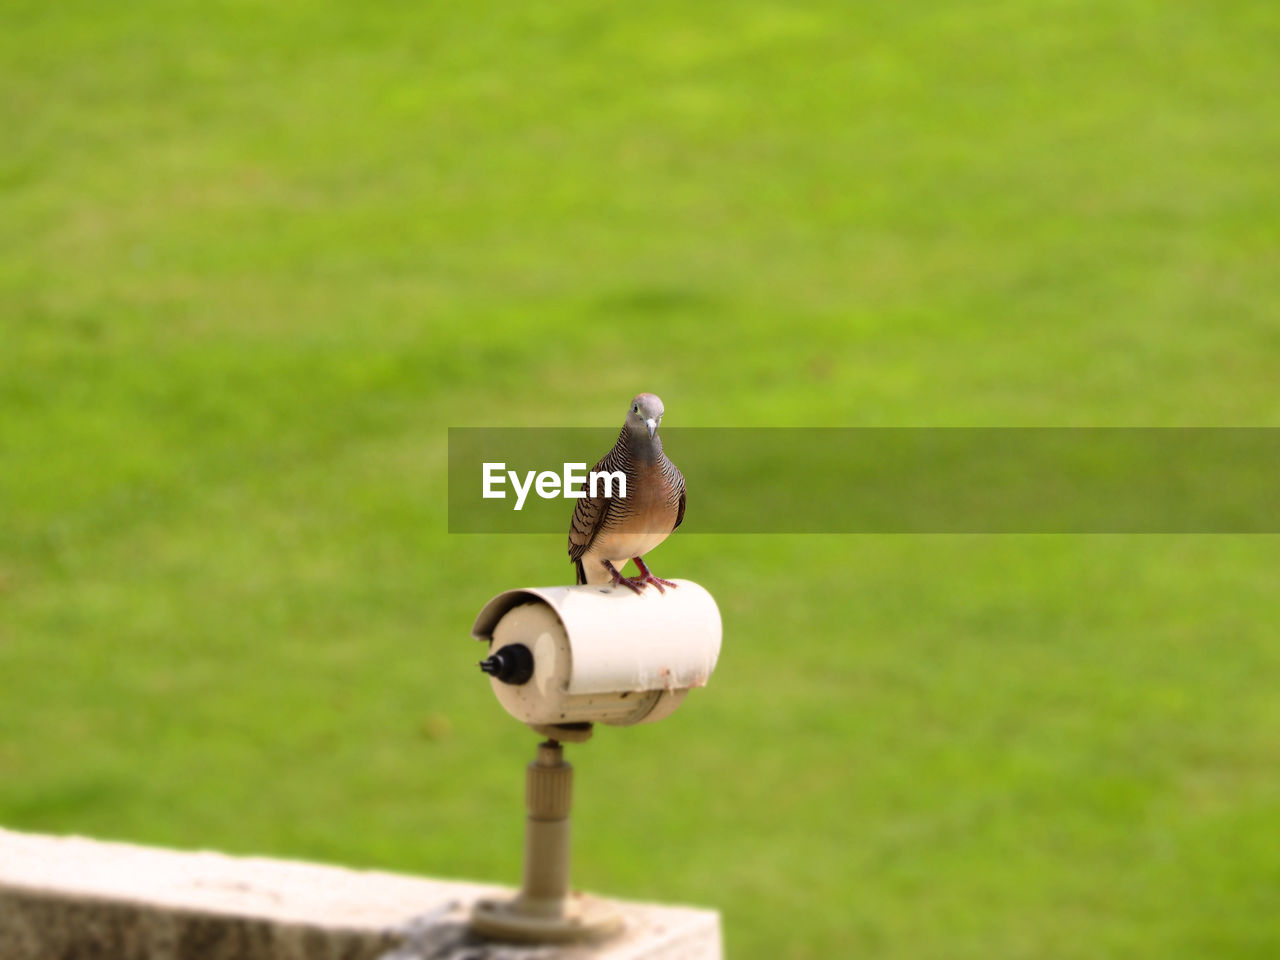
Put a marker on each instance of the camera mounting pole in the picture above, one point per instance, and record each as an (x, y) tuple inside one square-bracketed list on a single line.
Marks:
[(544, 910)]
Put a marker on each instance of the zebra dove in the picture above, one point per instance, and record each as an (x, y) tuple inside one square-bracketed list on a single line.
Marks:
[(606, 531)]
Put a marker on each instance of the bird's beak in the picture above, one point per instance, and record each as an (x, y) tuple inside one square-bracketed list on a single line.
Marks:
[(652, 424)]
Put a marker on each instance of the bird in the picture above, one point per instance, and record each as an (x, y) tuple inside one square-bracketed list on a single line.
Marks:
[(607, 531)]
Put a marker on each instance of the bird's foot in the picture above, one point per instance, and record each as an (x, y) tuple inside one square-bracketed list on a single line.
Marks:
[(618, 578), (647, 577)]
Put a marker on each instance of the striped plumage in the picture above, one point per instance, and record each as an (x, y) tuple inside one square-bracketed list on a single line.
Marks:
[(608, 531)]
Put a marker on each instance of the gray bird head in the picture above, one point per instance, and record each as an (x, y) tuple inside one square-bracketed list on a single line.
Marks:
[(645, 414)]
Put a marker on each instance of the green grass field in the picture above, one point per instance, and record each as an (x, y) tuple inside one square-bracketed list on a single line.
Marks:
[(256, 258)]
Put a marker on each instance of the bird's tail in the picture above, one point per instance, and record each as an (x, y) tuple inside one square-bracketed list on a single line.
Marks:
[(582, 574)]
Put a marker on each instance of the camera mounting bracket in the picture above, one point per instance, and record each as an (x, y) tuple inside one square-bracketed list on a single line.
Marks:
[(544, 911)]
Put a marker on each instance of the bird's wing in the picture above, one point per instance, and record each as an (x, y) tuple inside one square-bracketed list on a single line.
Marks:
[(678, 484), (589, 516)]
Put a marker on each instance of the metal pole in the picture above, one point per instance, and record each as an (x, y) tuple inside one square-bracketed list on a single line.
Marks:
[(544, 910), (548, 798)]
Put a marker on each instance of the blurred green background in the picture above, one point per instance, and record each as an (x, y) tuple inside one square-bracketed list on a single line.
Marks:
[(256, 258)]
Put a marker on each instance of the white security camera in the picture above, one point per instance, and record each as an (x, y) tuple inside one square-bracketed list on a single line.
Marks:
[(560, 660), (566, 656)]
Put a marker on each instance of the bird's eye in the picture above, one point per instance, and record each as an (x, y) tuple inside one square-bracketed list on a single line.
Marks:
[(635, 409)]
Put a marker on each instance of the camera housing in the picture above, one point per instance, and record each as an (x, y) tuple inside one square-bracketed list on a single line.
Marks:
[(564, 657)]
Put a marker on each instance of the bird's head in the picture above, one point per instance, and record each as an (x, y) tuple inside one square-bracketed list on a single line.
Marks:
[(645, 414)]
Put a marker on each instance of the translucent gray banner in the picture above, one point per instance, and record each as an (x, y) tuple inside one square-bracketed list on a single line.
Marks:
[(894, 480)]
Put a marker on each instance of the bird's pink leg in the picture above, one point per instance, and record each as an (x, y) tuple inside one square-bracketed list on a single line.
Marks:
[(618, 578), (647, 577)]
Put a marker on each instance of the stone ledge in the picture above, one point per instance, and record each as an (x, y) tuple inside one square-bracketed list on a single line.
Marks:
[(75, 897)]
